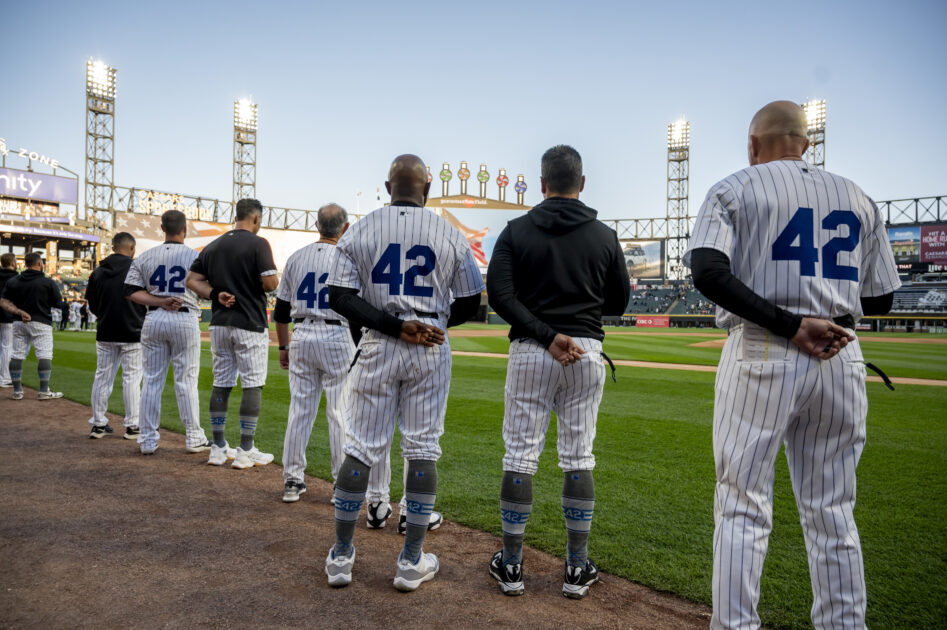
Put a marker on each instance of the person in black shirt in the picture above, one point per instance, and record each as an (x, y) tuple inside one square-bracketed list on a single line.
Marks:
[(235, 272), (7, 271), (118, 338), (552, 275), (84, 314), (30, 296)]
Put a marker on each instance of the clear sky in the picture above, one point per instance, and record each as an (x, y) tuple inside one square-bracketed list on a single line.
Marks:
[(345, 86)]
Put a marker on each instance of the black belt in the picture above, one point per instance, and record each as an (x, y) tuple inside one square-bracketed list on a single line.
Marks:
[(183, 309), (426, 314), (331, 322), (845, 321)]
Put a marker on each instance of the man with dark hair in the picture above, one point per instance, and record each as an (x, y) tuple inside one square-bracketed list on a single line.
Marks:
[(7, 271), (170, 334), (553, 274), (118, 338), (235, 272), (30, 296)]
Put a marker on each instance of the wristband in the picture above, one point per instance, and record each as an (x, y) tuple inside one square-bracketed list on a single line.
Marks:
[(284, 347), (214, 294)]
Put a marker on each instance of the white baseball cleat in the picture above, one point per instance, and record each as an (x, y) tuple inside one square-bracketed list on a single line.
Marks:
[(339, 570), (200, 448), (48, 395), (220, 454), (410, 575), (251, 458)]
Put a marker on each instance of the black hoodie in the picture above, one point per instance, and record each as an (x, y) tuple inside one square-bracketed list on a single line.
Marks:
[(120, 319), (557, 270), (33, 292), (6, 317)]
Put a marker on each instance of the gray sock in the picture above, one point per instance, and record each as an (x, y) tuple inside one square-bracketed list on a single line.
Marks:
[(516, 503), (16, 374), (249, 412), (44, 368), (420, 491), (350, 487), (219, 401), (578, 504)]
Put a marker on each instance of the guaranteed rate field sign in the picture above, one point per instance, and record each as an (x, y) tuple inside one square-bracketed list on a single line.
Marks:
[(38, 186)]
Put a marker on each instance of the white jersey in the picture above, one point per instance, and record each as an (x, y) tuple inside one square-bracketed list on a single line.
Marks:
[(161, 271), (304, 279), (804, 239), (404, 259)]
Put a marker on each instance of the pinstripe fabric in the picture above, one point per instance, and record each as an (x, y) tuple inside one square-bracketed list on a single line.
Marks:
[(109, 356), (537, 384), (6, 350), (170, 256), (36, 334), (315, 258), (239, 352)]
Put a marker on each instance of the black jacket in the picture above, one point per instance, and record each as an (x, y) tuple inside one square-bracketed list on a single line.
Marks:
[(6, 317), (120, 319), (557, 270), (34, 293)]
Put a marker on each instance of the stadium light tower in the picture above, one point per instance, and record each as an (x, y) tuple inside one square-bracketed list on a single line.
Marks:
[(815, 117), (99, 142), (244, 149), (678, 218)]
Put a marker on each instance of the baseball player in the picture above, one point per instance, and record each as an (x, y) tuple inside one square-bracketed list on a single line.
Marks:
[(75, 316), (170, 333), (553, 274), (793, 256), (7, 272), (30, 296), (397, 266), (235, 272), (118, 340)]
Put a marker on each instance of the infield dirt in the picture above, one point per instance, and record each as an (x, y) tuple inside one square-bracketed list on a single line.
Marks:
[(95, 534)]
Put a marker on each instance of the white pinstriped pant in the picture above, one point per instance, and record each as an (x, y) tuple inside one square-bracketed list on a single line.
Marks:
[(36, 334), (109, 356), (175, 338), (319, 358), (239, 352), (768, 393), (6, 350), (393, 381), (535, 385)]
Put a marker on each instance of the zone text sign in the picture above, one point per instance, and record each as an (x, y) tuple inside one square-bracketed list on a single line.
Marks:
[(38, 186)]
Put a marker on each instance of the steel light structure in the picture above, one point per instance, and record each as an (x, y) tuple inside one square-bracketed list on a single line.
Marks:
[(244, 149), (815, 130), (100, 143), (678, 179)]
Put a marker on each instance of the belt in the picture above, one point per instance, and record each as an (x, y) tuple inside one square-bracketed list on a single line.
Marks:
[(424, 314), (845, 321), (314, 320), (183, 309)]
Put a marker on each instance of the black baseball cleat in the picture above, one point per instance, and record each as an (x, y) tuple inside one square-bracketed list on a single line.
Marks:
[(292, 489), (434, 523), (100, 432), (509, 576), (131, 433), (377, 515), (579, 579)]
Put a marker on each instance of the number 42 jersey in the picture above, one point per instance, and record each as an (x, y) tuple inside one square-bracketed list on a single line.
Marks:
[(801, 238), (404, 259), (303, 284), (161, 271)]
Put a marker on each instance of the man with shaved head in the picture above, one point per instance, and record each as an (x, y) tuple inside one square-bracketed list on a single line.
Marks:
[(395, 273), (793, 256)]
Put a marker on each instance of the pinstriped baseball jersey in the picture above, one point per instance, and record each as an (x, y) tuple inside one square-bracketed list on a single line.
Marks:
[(304, 279), (161, 271), (806, 240), (405, 258)]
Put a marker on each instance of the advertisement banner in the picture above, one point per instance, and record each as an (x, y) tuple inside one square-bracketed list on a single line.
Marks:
[(37, 186), (906, 243), (934, 244), (38, 231), (644, 259), (653, 321)]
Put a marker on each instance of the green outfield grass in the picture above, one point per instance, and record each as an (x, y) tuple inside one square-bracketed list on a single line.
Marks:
[(655, 476)]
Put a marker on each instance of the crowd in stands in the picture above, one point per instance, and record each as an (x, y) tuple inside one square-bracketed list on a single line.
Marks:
[(677, 299)]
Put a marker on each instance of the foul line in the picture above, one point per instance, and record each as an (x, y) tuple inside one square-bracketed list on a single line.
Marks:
[(690, 367)]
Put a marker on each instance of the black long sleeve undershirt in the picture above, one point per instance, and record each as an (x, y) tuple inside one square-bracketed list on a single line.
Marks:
[(713, 278), (462, 309), (348, 304)]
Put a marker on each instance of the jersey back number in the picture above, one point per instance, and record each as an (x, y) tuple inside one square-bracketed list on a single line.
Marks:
[(388, 270), (168, 281), (307, 291), (802, 227)]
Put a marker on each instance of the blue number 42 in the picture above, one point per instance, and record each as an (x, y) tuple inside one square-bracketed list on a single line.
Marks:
[(168, 283), (307, 291), (388, 270), (802, 226)]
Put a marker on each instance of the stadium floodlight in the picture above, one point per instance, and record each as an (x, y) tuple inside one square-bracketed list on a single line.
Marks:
[(815, 114), (245, 114), (100, 79), (679, 134)]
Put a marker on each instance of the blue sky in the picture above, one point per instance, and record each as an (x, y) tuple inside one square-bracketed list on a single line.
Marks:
[(344, 87)]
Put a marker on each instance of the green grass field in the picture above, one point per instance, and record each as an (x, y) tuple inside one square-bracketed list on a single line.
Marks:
[(655, 476)]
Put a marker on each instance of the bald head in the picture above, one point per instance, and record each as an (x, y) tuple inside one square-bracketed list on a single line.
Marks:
[(407, 180), (778, 132)]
